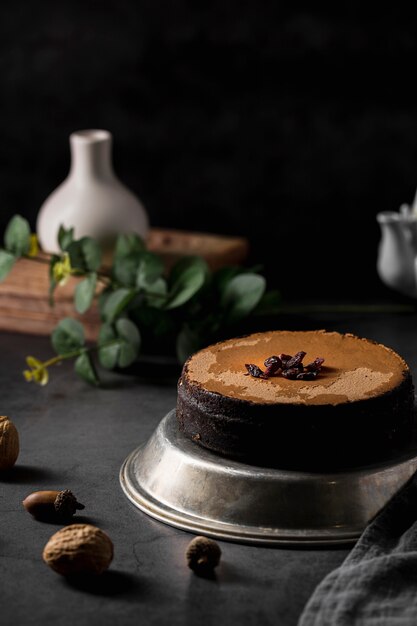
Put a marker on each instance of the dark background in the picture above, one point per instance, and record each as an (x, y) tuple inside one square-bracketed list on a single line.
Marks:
[(290, 125)]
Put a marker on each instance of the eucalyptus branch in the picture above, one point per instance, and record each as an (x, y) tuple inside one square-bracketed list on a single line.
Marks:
[(85, 350), (39, 373), (183, 307)]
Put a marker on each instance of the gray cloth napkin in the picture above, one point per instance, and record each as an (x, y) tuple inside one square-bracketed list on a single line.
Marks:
[(376, 585)]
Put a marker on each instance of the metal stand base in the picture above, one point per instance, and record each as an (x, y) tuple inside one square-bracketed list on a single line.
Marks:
[(181, 484)]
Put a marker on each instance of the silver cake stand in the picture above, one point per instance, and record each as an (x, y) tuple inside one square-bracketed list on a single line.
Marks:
[(179, 483)]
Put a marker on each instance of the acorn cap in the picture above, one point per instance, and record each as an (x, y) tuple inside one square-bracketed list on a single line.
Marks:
[(203, 554), (66, 504)]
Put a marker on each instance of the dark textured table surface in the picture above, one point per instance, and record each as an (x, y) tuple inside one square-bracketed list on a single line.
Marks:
[(74, 436)]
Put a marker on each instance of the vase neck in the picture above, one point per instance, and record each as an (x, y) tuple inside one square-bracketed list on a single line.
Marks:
[(91, 155)]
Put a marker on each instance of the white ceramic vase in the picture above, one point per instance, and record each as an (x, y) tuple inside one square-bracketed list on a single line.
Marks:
[(91, 199)]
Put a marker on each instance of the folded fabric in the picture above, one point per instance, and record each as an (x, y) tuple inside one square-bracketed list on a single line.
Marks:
[(376, 585)]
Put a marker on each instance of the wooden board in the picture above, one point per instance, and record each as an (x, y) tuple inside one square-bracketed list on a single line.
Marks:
[(217, 250), (24, 303)]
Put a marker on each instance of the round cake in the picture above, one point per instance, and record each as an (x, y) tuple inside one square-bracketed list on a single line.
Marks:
[(341, 402)]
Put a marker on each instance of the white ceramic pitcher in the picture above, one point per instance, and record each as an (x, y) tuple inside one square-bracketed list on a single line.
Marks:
[(91, 199), (397, 257)]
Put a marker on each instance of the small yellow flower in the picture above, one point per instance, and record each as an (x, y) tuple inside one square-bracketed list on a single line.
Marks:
[(61, 270), (33, 245), (38, 373)]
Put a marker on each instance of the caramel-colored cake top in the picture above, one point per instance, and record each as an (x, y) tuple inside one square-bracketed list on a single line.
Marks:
[(354, 368)]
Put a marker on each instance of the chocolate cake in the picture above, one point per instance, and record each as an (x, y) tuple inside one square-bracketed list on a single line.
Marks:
[(358, 408)]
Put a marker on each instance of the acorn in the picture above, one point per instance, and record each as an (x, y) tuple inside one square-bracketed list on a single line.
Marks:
[(203, 555), (50, 505)]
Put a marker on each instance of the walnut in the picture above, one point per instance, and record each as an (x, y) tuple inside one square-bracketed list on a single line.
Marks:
[(203, 555), (79, 549), (9, 443)]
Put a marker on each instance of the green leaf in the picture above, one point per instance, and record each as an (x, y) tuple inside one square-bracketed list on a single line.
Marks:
[(76, 256), (85, 255), (155, 322), (127, 245), (187, 277), (68, 336), (150, 268), (186, 262), (17, 236), (129, 348), (223, 276), (84, 293), (139, 267), (102, 299), (124, 270), (125, 351), (84, 367), (188, 342), (116, 303), (241, 295), (52, 282), (92, 253), (107, 355), (269, 304), (7, 260), (65, 237), (156, 293)]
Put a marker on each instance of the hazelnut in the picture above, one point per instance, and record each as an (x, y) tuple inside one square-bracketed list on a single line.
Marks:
[(203, 555), (9, 443), (52, 504), (79, 549)]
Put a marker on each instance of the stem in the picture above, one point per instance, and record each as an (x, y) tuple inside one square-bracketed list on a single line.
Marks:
[(74, 353), (74, 271), (62, 357)]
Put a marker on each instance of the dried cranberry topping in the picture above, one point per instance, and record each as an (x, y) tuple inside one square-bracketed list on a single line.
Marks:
[(284, 359), (273, 365), (291, 373), (272, 370), (254, 370), (296, 360), (273, 360), (288, 366), (307, 375), (315, 366)]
